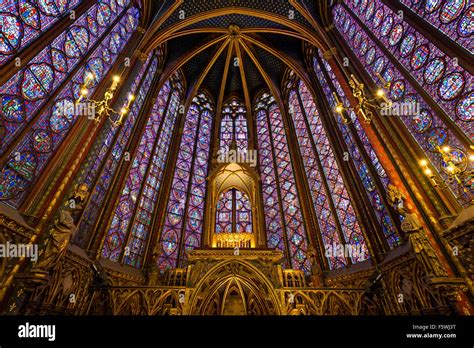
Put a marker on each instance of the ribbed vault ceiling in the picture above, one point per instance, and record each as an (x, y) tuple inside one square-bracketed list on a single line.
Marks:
[(233, 47)]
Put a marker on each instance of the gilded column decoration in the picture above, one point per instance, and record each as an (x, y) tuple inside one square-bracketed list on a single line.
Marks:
[(417, 239), (62, 231), (153, 271), (317, 279)]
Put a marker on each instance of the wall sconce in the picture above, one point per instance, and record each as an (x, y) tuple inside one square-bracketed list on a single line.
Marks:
[(364, 102), (458, 167), (340, 109), (102, 106), (380, 93)]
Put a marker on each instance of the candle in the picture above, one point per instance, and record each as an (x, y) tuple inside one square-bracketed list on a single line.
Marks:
[(123, 112), (366, 119), (115, 81), (339, 107), (83, 94), (131, 97), (355, 80)]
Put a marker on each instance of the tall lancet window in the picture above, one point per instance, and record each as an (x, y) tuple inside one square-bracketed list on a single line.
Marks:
[(24, 21), (183, 223), (283, 217), (446, 81), (233, 212), (129, 229), (330, 85), (104, 158), (336, 216), (234, 125), (225, 212), (401, 60), (37, 95), (451, 17)]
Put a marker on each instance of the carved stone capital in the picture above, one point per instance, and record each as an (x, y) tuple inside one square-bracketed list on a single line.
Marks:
[(330, 53), (141, 55)]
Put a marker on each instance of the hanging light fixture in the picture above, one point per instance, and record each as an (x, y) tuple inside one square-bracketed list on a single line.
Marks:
[(103, 106), (365, 103), (458, 167)]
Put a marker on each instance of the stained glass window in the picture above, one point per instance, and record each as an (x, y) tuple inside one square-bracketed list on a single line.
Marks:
[(283, 215), (233, 212), (225, 212), (182, 228), (234, 125), (420, 57), (21, 22), (354, 137), (243, 218), (451, 86), (442, 78), (434, 70), (23, 95), (452, 17), (320, 167), (407, 45), (129, 229), (99, 174), (428, 127), (321, 200), (47, 133), (145, 209)]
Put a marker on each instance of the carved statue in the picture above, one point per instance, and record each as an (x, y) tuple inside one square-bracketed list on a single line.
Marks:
[(395, 196), (422, 247), (417, 239), (316, 271), (63, 230), (57, 243), (76, 201), (153, 271)]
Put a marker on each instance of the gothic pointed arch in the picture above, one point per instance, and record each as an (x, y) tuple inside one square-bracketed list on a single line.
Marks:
[(252, 284)]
